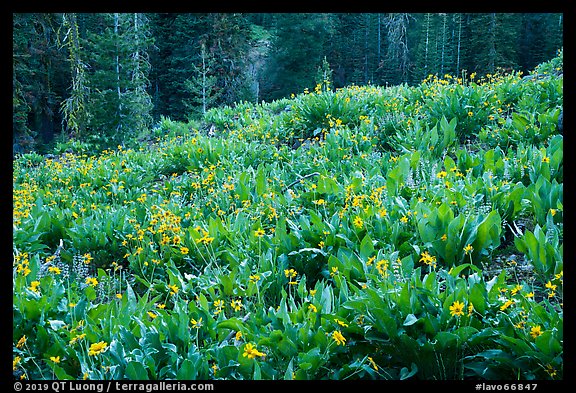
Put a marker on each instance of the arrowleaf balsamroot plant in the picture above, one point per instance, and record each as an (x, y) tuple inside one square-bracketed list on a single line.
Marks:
[(365, 233)]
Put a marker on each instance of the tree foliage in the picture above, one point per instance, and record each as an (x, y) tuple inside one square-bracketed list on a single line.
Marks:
[(105, 77)]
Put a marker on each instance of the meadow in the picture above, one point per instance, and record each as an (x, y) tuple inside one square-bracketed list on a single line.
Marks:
[(365, 232)]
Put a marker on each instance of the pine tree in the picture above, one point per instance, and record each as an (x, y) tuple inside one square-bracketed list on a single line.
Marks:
[(398, 51), (297, 50), (202, 85), (118, 102), (74, 108), (38, 79)]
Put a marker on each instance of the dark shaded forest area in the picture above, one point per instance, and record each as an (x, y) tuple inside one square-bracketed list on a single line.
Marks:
[(103, 79)]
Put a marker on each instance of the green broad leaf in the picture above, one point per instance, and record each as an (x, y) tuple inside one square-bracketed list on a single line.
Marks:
[(231, 323), (456, 270), (478, 297), (257, 372), (260, 180), (517, 345), (384, 322), (308, 249), (187, 371), (404, 299), (488, 233), (136, 371), (56, 324), (405, 373), (79, 311), (548, 344), (90, 293), (130, 301), (117, 352), (42, 224), (434, 136), (415, 160), (410, 320), (465, 332), (327, 185), (366, 247), (309, 360), (203, 302), (227, 285), (446, 339), (449, 163), (520, 121), (242, 188), (61, 374), (286, 346), (289, 370)]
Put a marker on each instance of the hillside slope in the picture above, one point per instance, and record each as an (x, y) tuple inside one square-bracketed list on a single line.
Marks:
[(368, 232)]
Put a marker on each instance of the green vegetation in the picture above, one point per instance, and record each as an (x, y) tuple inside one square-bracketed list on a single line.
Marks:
[(357, 233), (102, 79)]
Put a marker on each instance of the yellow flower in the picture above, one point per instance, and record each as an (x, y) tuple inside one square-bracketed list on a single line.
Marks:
[(550, 286), (338, 337), (382, 267), (205, 240), (428, 259), (34, 286), (91, 281), (546, 159), (535, 331), (238, 335), (152, 314), (312, 308), (251, 352), (341, 323), (516, 289), (334, 271), (457, 309), (372, 363), (77, 338), (87, 258), (173, 289), (444, 237), (507, 304), (290, 273), (55, 359), (358, 222), (236, 305), (21, 342), (468, 248), (196, 323), (16, 362), (259, 232), (184, 250), (54, 269), (97, 348)]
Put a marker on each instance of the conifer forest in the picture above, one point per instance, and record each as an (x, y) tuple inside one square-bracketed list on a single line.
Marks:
[(280, 196)]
